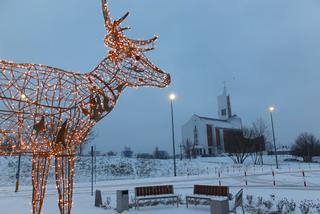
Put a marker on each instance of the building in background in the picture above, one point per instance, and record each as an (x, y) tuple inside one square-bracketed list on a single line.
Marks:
[(207, 134)]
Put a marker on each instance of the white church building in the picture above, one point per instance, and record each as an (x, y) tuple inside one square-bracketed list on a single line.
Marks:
[(207, 134)]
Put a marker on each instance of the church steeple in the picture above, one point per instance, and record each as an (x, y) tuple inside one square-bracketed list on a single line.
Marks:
[(224, 105)]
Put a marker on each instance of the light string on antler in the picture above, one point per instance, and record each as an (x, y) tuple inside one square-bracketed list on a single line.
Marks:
[(48, 112)]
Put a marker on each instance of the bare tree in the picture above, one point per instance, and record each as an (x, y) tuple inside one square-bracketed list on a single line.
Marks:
[(240, 147), (242, 143), (127, 152), (306, 146), (111, 153), (156, 153), (189, 149), (260, 129)]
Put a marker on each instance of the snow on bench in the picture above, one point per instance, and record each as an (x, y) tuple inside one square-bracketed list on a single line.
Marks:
[(154, 192), (208, 193)]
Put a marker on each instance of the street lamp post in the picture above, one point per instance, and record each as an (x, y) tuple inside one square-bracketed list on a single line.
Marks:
[(271, 109), (172, 97), (91, 170), (18, 174)]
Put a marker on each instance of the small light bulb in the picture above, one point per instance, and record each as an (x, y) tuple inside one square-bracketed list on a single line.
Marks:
[(23, 96)]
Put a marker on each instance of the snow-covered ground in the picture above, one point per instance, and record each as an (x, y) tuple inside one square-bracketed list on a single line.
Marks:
[(289, 183), (115, 168)]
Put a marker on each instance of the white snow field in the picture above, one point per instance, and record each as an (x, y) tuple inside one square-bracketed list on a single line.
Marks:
[(289, 184)]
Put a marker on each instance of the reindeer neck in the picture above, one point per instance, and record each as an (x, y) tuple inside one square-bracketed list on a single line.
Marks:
[(104, 77)]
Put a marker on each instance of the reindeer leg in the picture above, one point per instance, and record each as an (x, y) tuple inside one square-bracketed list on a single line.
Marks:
[(64, 170), (40, 171)]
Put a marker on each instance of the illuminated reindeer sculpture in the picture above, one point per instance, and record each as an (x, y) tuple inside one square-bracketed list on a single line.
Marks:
[(48, 112)]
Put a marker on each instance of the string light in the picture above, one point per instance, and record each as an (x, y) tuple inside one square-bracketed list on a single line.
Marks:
[(48, 112)]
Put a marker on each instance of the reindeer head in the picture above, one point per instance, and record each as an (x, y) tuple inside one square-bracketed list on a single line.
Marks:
[(132, 66)]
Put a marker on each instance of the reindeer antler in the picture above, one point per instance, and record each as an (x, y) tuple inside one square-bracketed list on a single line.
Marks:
[(108, 21), (106, 15), (130, 52), (116, 38)]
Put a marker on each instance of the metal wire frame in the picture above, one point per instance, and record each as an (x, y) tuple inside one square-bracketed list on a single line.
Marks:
[(48, 112)]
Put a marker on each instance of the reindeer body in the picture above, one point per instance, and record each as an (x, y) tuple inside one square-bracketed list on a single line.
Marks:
[(48, 112), (41, 99)]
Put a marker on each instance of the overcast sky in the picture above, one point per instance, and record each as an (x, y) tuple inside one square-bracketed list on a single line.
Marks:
[(268, 52)]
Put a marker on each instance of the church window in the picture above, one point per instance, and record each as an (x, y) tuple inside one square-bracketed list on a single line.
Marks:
[(218, 137), (195, 136), (224, 112), (209, 135)]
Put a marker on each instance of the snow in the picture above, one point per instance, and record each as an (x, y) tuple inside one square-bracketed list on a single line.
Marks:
[(288, 179)]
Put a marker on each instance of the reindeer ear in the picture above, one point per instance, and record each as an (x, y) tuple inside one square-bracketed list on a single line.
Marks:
[(61, 136), (40, 126)]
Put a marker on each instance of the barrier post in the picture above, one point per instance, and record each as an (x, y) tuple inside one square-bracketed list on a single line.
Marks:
[(274, 181), (245, 178), (304, 179)]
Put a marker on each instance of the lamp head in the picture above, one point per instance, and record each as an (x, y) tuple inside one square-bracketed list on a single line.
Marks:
[(271, 108), (172, 97)]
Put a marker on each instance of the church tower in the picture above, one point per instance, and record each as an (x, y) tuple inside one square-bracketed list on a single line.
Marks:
[(224, 105)]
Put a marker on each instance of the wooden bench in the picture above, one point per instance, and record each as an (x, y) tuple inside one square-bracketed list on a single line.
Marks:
[(154, 192), (209, 193), (206, 192)]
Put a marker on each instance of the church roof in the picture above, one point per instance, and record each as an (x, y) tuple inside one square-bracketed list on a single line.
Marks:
[(213, 119), (219, 123)]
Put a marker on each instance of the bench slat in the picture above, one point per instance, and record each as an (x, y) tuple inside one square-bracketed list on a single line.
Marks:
[(154, 190), (211, 190)]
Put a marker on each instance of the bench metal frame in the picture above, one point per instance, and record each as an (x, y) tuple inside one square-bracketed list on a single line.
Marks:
[(137, 199), (154, 192)]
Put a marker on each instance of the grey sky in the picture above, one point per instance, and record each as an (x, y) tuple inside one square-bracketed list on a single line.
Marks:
[(267, 51)]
